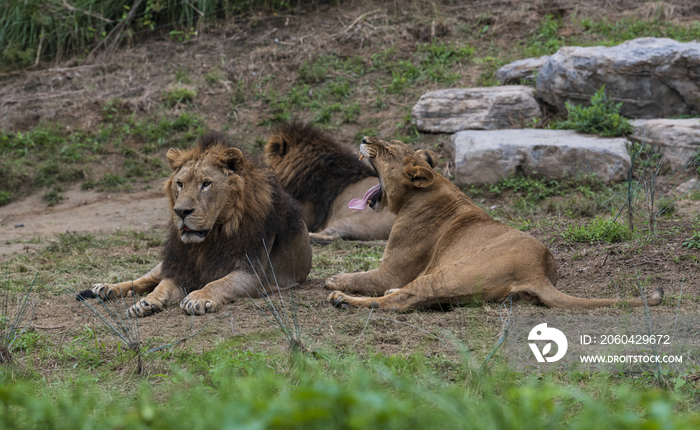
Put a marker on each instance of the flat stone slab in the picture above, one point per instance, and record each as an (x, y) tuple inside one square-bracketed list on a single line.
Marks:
[(678, 140), (652, 77), (489, 156), (488, 108), (521, 70)]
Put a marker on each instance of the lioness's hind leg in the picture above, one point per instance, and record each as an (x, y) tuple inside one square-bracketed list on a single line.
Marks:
[(422, 292)]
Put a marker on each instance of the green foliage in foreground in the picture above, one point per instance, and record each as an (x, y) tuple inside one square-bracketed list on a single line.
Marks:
[(240, 390), (601, 117), (607, 230)]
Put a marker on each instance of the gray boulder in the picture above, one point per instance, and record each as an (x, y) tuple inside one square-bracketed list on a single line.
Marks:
[(519, 71), (487, 156), (490, 108), (678, 140), (652, 77)]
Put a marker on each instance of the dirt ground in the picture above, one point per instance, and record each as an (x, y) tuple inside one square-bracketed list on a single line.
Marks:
[(73, 94)]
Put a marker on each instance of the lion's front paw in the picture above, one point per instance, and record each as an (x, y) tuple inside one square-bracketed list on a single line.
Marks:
[(338, 299), (103, 291), (198, 303), (145, 307)]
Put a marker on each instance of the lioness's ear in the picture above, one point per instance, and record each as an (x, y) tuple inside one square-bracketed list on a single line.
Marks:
[(429, 156), (232, 158), (174, 158), (276, 145), (419, 176)]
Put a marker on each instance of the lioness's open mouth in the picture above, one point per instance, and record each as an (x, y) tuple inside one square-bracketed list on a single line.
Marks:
[(371, 197)]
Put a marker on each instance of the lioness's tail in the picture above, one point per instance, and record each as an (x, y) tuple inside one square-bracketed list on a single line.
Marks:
[(550, 296)]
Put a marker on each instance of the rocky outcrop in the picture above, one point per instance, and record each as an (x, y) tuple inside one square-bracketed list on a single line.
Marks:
[(490, 108), (677, 140), (519, 71), (652, 77), (489, 156)]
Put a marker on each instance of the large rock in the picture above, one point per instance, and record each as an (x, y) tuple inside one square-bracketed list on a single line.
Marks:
[(677, 140), (489, 156), (490, 108), (519, 71), (652, 77)]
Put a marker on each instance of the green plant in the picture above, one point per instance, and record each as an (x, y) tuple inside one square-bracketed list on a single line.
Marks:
[(599, 229), (53, 196), (182, 76), (693, 241), (546, 40), (213, 77), (179, 95), (312, 73), (601, 117), (16, 314)]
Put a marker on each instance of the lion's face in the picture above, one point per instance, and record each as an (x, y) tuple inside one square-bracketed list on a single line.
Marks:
[(203, 190), (400, 170)]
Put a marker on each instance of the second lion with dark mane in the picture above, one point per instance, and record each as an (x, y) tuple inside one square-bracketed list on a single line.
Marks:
[(324, 177)]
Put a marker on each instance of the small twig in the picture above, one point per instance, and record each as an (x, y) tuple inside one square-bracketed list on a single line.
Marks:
[(268, 33), (195, 9), (48, 328), (89, 13), (358, 19)]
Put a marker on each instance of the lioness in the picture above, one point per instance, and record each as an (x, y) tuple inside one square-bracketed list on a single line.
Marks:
[(324, 176), (443, 249), (228, 214)]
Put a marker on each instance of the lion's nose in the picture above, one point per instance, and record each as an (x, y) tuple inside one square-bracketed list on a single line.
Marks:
[(182, 213)]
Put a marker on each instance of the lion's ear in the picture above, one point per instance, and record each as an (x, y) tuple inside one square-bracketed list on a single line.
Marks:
[(232, 158), (174, 158), (419, 176), (276, 145), (429, 156)]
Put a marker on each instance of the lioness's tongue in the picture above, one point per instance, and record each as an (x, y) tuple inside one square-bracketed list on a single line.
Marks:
[(360, 204)]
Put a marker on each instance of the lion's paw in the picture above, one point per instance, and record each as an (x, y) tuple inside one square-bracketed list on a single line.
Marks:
[(145, 307), (335, 283), (339, 300), (198, 303), (103, 291)]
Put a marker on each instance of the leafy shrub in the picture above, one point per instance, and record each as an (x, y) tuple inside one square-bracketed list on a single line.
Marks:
[(606, 230), (601, 117)]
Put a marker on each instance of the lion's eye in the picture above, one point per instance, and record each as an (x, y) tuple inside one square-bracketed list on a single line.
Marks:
[(179, 185), (206, 184)]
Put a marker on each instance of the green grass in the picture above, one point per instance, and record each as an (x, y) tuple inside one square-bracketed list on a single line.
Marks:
[(51, 154), (177, 96), (228, 387), (600, 229), (530, 196), (52, 30)]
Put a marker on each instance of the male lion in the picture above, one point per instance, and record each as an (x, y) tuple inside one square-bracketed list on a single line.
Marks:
[(324, 176), (228, 215), (444, 249)]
